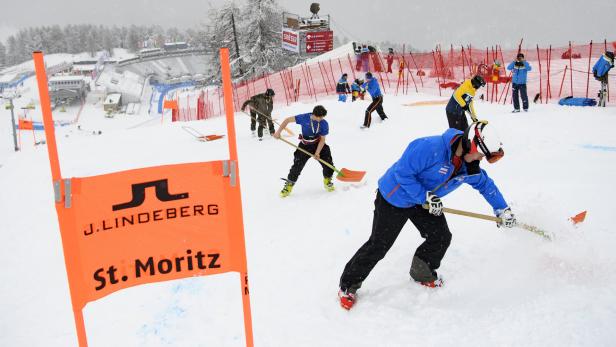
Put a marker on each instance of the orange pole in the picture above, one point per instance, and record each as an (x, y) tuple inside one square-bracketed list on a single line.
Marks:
[(52, 149), (236, 223), (56, 175)]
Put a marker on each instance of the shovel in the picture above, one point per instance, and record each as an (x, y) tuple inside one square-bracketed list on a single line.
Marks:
[(532, 229), (199, 136), (270, 118), (344, 175)]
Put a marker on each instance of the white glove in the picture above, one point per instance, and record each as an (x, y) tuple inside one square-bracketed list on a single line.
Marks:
[(507, 218), (434, 203)]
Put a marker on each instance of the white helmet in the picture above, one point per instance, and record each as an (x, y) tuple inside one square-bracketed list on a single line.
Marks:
[(479, 137)]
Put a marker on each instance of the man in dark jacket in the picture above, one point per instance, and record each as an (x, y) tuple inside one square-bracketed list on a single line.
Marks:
[(342, 88), (408, 190), (261, 106)]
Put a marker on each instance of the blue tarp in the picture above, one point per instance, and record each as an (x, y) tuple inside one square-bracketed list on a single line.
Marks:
[(571, 101), (40, 126)]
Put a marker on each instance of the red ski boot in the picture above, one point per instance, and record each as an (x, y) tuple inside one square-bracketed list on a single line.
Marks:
[(347, 299), (433, 284)]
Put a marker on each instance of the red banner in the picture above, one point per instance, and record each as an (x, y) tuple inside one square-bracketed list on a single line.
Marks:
[(319, 46), (319, 36)]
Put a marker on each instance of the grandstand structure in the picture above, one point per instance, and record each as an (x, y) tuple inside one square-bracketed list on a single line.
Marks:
[(176, 64)]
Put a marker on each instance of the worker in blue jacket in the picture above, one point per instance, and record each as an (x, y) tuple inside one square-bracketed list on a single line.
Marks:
[(520, 67), (342, 88), (372, 86), (602, 66), (356, 90), (430, 167), (600, 70), (312, 140)]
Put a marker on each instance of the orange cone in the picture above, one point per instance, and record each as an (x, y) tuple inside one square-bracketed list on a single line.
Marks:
[(578, 218)]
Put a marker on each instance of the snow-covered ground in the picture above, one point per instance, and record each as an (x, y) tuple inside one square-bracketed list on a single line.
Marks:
[(503, 287)]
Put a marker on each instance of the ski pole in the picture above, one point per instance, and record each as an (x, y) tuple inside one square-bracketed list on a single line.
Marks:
[(531, 228)]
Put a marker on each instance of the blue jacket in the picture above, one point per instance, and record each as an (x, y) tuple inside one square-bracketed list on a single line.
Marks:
[(426, 164), (373, 87), (355, 87), (602, 66), (519, 72), (311, 129)]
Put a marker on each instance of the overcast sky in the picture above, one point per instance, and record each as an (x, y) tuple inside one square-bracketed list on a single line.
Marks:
[(421, 23)]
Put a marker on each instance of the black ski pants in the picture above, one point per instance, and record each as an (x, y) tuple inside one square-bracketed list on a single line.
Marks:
[(300, 158), (375, 105), (456, 115), (386, 226), (519, 89), (256, 117)]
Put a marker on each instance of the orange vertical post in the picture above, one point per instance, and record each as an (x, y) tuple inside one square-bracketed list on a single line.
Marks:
[(56, 175), (237, 222)]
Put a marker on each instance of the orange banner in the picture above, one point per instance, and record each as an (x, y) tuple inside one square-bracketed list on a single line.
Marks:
[(172, 104), (149, 225), (25, 124)]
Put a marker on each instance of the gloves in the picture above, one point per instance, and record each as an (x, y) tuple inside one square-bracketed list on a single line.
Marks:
[(519, 64), (507, 218), (435, 205)]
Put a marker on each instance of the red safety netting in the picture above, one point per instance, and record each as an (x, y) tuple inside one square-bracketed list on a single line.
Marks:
[(556, 72)]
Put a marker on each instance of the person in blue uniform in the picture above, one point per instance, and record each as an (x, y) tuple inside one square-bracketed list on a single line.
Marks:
[(520, 68), (314, 130), (430, 168), (372, 86)]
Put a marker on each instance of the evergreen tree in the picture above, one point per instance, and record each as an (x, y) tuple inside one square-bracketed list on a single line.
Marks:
[(132, 39), (224, 32), (262, 50), (2, 54)]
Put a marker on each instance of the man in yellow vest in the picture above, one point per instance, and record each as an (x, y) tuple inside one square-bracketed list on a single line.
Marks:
[(462, 101)]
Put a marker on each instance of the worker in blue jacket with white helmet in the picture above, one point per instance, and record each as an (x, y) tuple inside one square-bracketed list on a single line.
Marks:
[(430, 167)]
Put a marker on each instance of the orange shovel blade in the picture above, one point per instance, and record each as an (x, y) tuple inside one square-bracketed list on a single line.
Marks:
[(211, 137), (347, 175), (578, 218)]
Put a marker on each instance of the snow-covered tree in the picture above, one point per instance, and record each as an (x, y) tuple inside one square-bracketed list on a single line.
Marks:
[(2, 54), (262, 51), (132, 38), (223, 32)]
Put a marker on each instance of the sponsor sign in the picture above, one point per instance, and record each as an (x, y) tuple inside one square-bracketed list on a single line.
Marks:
[(290, 40), (149, 225)]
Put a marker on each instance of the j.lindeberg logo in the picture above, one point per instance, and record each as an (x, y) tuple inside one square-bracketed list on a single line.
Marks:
[(161, 188)]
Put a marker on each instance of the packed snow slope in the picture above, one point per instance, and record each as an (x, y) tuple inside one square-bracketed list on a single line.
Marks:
[(503, 287)]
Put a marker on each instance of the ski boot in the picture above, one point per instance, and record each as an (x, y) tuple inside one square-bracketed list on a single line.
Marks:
[(347, 298), (328, 184), (433, 284), (286, 190)]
